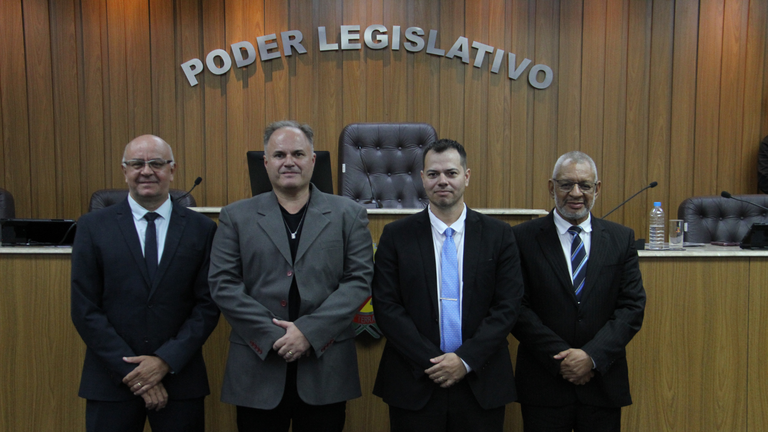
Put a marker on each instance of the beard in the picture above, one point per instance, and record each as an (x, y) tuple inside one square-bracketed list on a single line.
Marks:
[(570, 215)]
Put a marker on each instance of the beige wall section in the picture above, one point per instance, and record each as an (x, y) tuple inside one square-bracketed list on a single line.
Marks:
[(674, 92)]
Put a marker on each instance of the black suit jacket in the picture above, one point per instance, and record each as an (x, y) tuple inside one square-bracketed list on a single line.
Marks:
[(406, 308), (551, 320), (118, 313)]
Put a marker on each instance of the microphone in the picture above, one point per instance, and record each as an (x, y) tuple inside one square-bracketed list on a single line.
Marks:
[(197, 182), (725, 194), (652, 185), (370, 183)]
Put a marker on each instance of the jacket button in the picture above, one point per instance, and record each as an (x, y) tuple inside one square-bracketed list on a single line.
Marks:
[(283, 303), (289, 274)]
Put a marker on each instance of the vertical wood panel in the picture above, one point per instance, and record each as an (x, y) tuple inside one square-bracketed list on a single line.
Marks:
[(138, 64), (164, 70), (499, 151), (328, 119), (191, 101), (569, 90), (374, 78), (396, 100), (354, 71), (425, 87), (276, 70), (214, 146), (119, 133), (40, 98), (452, 72), (476, 104), (754, 94), (757, 415)]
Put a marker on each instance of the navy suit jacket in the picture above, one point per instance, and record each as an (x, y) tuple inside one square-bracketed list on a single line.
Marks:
[(406, 308), (120, 313), (552, 320)]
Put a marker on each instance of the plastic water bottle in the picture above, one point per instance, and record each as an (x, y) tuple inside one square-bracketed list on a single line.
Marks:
[(656, 235)]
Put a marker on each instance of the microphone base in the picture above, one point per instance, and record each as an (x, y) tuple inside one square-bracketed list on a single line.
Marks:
[(756, 238)]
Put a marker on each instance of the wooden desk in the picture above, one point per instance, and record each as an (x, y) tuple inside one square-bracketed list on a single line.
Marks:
[(699, 363)]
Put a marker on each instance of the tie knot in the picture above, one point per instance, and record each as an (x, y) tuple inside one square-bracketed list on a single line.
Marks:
[(151, 216), (448, 232), (574, 230)]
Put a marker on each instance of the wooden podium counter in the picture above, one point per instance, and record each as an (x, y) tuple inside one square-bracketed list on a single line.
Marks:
[(700, 362)]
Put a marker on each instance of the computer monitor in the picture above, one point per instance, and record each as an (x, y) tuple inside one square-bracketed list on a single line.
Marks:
[(321, 177)]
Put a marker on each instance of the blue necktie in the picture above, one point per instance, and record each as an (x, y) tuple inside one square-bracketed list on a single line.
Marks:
[(578, 260), (150, 244), (450, 314)]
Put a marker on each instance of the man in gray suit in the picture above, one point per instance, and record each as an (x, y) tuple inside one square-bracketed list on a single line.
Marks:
[(289, 269)]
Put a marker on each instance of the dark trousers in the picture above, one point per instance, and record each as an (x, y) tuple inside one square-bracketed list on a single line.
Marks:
[(454, 409), (306, 418), (576, 417), (129, 416)]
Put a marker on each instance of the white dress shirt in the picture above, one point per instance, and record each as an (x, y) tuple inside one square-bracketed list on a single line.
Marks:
[(161, 223)]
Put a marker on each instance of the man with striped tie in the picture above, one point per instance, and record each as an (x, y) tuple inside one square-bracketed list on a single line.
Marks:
[(446, 292), (584, 301)]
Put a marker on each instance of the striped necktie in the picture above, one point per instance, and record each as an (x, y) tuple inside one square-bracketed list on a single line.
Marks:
[(578, 260)]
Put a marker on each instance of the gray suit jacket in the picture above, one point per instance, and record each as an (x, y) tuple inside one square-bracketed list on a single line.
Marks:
[(250, 277)]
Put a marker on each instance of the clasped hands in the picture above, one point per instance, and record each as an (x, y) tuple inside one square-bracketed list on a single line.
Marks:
[(146, 380), (293, 344), (448, 369), (576, 366)]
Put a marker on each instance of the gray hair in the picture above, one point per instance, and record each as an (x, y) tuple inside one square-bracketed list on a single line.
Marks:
[(304, 128), (576, 157)]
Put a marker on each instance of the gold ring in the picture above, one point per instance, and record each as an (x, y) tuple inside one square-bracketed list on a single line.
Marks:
[(290, 353), (139, 384)]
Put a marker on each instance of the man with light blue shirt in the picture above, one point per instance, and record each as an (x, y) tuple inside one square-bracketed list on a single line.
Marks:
[(446, 289), (141, 303)]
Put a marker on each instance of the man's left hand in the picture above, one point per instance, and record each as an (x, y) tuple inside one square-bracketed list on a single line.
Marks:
[(293, 344), (147, 374), (448, 369), (575, 366)]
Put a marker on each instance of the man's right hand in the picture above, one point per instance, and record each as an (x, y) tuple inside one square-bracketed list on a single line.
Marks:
[(155, 398)]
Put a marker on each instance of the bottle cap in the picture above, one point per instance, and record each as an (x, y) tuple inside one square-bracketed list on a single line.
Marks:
[(657, 204)]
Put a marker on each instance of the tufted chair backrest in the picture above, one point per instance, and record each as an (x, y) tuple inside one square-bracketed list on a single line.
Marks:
[(380, 163), (714, 218)]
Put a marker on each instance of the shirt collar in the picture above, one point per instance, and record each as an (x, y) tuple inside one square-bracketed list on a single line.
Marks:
[(138, 211), (440, 226), (563, 225)]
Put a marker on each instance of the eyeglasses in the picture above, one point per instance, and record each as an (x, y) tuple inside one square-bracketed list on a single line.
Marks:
[(154, 164), (567, 186)]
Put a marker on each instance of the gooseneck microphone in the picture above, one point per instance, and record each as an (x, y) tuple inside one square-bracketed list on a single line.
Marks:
[(197, 182), (725, 194), (652, 185)]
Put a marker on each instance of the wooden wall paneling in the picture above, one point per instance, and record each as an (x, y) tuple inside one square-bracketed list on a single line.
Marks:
[(373, 75), (118, 87), (757, 414), (65, 108), (753, 94), (476, 88), (660, 103), (569, 77), (452, 75), (96, 162), (614, 109), (191, 100), (276, 80), (708, 96), (396, 98), (593, 87), (731, 110), (37, 41), (498, 154), (545, 103), (682, 137), (328, 117), (636, 150), (214, 146), (521, 18), (425, 84), (139, 67), (304, 103), (13, 102), (355, 68), (164, 70)]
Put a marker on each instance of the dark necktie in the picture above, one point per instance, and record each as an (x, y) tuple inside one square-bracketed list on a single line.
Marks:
[(578, 260), (150, 244)]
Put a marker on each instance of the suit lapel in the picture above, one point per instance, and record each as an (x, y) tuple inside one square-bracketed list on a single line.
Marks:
[(317, 213), (473, 232), (598, 252), (550, 247), (426, 245), (131, 237), (272, 223), (172, 237)]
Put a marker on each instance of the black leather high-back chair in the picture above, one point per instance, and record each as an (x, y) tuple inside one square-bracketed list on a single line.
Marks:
[(322, 176), (7, 205), (380, 163), (714, 218), (106, 197)]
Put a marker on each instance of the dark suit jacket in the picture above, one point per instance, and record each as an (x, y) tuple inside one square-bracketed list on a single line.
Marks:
[(119, 314), (406, 309), (551, 320)]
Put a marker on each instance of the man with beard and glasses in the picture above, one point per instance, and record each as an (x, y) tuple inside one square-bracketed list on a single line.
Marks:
[(583, 303)]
